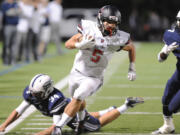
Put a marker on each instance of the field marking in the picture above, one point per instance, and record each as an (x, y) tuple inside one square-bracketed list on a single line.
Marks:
[(124, 97), (136, 86), (28, 112), (13, 68), (41, 119), (32, 124)]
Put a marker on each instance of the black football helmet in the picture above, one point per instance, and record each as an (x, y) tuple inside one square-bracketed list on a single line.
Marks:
[(110, 14)]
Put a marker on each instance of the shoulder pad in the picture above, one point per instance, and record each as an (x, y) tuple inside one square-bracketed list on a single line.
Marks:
[(168, 36), (124, 37), (85, 26)]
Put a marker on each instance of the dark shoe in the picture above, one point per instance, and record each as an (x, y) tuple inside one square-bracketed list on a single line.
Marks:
[(56, 131), (79, 127), (132, 101)]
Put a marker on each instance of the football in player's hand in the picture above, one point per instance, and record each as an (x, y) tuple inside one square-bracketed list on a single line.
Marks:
[(80, 38)]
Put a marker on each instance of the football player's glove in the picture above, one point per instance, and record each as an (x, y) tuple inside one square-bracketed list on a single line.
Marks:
[(86, 42), (132, 72), (167, 49)]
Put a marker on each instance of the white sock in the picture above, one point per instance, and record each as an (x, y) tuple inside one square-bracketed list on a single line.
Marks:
[(64, 120), (102, 112), (122, 108), (81, 115)]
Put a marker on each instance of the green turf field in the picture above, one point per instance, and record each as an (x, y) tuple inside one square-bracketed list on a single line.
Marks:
[(143, 119)]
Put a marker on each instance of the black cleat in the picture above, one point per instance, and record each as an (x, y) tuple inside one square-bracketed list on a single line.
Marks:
[(132, 101), (79, 127), (56, 131)]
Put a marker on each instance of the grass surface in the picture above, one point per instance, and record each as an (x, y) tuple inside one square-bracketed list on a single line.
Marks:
[(150, 83)]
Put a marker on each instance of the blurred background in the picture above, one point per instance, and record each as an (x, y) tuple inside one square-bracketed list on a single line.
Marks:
[(28, 26)]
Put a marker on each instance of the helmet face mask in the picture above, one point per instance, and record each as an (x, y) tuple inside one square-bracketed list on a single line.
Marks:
[(111, 15), (41, 86)]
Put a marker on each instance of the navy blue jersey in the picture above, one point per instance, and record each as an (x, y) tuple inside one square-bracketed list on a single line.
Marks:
[(170, 36), (53, 105)]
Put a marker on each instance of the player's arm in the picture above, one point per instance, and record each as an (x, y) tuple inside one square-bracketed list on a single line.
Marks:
[(164, 53), (70, 44), (132, 57), (131, 50), (79, 41), (14, 115), (56, 118)]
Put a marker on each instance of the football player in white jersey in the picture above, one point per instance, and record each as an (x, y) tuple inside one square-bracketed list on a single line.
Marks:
[(96, 42)]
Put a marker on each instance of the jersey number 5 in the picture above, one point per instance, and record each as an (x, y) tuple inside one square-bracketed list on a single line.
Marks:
[(96, 55)]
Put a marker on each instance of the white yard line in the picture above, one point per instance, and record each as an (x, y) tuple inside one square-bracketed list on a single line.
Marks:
[(135, 86), (37, 124), (28, 112), (41, 119), (122, 98)]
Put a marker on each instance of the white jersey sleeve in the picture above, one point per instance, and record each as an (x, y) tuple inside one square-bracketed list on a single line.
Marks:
[(22, 107), (118, 41)]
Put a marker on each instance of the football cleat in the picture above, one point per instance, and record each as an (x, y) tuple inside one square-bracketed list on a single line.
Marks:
[(165, 129), (132, 101), (56, 131), (79, 127)]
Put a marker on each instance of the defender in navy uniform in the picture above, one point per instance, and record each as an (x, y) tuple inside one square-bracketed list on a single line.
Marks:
[(171, 97), (51, 102)]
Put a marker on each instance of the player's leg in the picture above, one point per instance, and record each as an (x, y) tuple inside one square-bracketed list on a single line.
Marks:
[(87, 87), (171, 89), (80, 87), (115, 113), (102, 112)]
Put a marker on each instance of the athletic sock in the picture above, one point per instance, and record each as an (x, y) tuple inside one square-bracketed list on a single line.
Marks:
[(102, 112), (122, 108), (64, 120), (81, 115)]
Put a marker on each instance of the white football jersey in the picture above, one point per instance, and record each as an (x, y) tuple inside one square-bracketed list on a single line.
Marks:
[(94, 60)]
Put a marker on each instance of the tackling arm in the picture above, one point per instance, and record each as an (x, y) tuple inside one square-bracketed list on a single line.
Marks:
[(14, 115)]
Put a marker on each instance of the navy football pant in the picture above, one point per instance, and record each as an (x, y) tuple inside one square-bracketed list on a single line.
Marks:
[(171, 97)]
